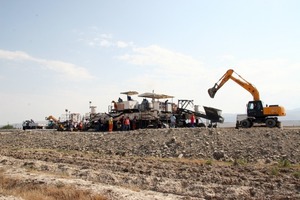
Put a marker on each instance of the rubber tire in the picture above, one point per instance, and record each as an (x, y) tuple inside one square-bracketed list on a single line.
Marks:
[(270, 123), (245, 123), (251, 124)]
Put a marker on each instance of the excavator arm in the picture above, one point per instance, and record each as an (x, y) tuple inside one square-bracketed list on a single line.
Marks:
[(51, 118), (242, 82)]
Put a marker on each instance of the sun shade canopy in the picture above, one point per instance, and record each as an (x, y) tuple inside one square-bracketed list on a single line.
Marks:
[(155, 96), (129, 93)]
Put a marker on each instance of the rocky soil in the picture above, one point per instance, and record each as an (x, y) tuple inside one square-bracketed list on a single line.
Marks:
[(187, 163)]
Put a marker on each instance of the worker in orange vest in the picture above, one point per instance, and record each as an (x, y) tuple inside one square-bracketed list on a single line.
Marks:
[(192, 120), (127, 124), (110, 124)]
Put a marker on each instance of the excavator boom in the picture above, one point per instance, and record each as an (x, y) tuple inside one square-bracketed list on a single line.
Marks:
[(242, 82)]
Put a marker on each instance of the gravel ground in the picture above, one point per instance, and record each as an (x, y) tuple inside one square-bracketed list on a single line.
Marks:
[(186, 163)]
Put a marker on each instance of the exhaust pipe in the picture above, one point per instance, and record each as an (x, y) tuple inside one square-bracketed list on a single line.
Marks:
[(212, 91)]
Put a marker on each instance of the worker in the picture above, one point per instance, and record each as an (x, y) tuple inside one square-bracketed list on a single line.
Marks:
[(192, 120), (110, 124), (119, 125), (134, 123), (173, 121), (166, 105), (145, 104), (127, 124), (80, 126)]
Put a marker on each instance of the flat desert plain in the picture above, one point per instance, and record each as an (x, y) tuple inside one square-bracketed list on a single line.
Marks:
[(177, 163)]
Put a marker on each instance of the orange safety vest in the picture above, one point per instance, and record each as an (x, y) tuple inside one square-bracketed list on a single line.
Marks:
[(127, 122)]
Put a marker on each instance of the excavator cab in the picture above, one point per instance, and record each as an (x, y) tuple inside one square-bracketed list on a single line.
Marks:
[(255, 109)]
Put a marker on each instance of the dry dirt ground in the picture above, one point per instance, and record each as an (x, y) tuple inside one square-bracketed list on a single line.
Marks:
[(185, 164)]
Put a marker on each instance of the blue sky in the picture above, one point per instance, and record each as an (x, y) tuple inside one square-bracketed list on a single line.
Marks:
[(57, 55)]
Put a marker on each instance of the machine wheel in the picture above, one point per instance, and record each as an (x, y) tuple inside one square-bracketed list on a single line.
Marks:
[(270, 123), (246, 123)]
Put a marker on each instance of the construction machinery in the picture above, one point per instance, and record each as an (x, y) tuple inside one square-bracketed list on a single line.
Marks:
[(186, 108), (256, 112), (30, 124), (67, 122), (53, 123), (154, 111)]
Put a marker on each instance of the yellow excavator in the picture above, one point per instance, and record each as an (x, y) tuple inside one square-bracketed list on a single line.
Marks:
[(256, 112), (52, 122)]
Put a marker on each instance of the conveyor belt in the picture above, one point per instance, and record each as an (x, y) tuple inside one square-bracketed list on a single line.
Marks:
[(212, 114)]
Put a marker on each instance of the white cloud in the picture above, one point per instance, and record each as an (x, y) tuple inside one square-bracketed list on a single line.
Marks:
[(94, 38), (91, 43), (14, 55), (122, 44), (163, 59), (106, 36), (67, 70), (105, 43), (108, 42), (99, 42)]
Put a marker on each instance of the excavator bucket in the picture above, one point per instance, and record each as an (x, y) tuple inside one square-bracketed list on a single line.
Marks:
[(212, 91)]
